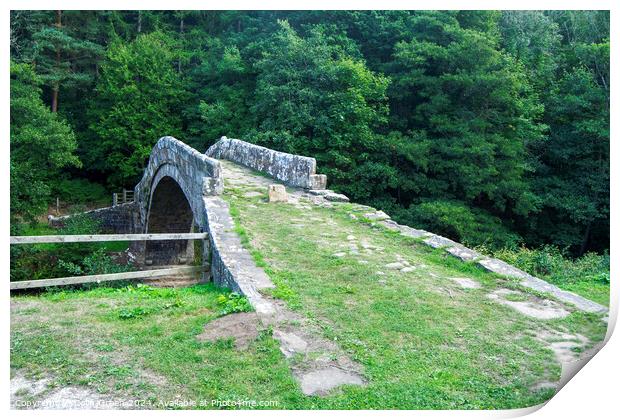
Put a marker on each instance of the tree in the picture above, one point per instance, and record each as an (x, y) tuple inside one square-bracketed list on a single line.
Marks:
[(314, 99), (533, 38), (472, 106), (471, 123), (573, 178), (61, 59), (41, 145), (222, 86), (138, 101)]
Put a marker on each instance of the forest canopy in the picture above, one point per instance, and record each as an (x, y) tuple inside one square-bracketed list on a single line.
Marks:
[(490, 127)]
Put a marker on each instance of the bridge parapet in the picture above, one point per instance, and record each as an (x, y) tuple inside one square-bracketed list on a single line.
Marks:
[(293, 170)]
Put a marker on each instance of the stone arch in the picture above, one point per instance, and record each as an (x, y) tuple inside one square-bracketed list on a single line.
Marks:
[(170, 199), (167, 173), (196, 174)]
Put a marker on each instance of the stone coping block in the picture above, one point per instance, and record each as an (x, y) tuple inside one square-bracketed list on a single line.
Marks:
[(496, 266), (277, 194)]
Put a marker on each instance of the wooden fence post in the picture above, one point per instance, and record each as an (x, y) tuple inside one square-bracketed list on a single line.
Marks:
[(205, 276)]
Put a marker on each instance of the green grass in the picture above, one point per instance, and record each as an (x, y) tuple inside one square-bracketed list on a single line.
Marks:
[(421, 346), (141, 342), (594, 291), (423, 342)]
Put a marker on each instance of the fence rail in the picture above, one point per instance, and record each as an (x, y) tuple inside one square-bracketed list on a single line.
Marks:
[(97, 278), (47, 239)]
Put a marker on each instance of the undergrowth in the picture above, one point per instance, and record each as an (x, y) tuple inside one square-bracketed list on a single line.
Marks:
[(588, 275)]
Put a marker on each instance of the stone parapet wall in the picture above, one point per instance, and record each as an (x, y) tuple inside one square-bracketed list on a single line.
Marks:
[(232, 266), (493, 265), (119, 219), (293, 170)]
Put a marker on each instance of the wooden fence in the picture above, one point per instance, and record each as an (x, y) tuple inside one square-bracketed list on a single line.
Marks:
[(123, 197), (98, 278)]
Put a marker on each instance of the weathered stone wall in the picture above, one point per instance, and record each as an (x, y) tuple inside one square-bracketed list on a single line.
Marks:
[(293, 170), (195, 175), (493, 265), (122, 218), (232, 266)]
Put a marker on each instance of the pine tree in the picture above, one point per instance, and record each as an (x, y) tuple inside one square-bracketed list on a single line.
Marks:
[(62, 60)]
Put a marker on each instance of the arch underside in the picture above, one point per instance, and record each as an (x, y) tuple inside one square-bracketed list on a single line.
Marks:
[(169, 212)]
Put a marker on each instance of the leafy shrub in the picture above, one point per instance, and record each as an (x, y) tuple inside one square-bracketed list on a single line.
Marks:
[(80, 224), (70, 256), (96, 263), (551, 264), (59, 260), (129, 313), (457, 221), (141, 311), (233, 302), (80, 191)]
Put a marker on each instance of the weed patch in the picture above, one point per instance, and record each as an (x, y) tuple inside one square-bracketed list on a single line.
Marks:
[(232, 303)]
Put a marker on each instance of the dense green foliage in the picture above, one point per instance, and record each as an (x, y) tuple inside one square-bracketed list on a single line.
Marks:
[(79, 191), (41, 145), (488, 127), (136, 101)]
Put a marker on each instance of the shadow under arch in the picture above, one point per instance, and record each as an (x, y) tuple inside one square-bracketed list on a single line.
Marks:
[(169, 212)]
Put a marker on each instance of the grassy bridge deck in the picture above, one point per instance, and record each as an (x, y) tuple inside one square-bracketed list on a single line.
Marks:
[(428, 330)]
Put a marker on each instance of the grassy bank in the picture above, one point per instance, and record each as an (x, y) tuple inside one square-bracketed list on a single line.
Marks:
[(588, 276), (140, 342), (425, 342)]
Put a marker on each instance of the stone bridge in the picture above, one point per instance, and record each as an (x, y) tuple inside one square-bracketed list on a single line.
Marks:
[(177, 192), (180, 192)]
